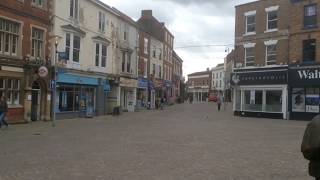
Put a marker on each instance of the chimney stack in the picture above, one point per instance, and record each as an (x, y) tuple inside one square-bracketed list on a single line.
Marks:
[(146, 13)]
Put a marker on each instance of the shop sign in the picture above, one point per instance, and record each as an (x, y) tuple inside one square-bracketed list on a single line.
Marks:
[(259, 78), (125, 82), (304, 76), (312, 103), (143, 83)]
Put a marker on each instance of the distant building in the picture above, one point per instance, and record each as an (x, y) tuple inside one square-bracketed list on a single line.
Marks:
[(177, 74), (229, 65), (199, 85), (217, 80)]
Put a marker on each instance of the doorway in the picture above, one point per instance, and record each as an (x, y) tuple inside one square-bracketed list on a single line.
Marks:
[(35, 101)]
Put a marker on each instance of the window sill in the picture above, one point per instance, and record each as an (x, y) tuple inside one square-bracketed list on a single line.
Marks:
[(271, 30), (249, 34), (310, 27)]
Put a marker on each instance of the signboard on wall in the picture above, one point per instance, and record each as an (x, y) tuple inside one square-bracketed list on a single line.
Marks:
[(298, 100), (312, 103)]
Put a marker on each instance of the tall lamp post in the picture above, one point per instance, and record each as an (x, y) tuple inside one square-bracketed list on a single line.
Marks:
[(55, 39)]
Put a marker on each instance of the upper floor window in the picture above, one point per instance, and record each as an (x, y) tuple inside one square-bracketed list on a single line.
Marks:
[(271, 54), (126, 32), (145, 71), (101, 55), (37, 43), (249, 56), (153, 69), (160, 54), (126, 62), (309, 50), (38, 3), (160, 71), (102, 22), (73, 47), (310, 16), (145, 46), (9, 37), (250, 22), (74, 6), (272, 20), (154, 52)]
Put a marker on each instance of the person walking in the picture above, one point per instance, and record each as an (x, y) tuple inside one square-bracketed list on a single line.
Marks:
[(219, 102), (3, 111)]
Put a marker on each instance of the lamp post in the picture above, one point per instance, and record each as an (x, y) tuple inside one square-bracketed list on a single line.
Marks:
[(55, 39)]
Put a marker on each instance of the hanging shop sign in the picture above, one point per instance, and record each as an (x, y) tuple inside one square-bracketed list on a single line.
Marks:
[(125, 82), (259, 77)]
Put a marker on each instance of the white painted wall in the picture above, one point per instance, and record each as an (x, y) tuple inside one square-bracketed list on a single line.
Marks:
[(218, 75), (158, 46)]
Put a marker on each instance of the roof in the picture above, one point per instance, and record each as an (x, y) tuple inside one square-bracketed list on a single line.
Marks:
[(248, 3), (219, 65), (199, 73), (177, 56), (125, 17)]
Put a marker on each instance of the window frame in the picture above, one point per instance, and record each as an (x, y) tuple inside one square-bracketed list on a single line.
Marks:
[(102, 21), (37, 49), (306, 18), (246, 56), (304, 51), (273, 20), (255, 23), (71, 47), (74, 9)]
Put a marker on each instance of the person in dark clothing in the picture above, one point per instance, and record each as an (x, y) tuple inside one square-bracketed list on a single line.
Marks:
[(310, 147), (3, 111), (219, 103)]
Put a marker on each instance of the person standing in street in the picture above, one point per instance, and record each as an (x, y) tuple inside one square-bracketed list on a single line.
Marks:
[(3, 111), (219, 102)]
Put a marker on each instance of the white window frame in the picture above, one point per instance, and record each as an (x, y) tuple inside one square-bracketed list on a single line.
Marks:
[(246, 46), (145, 72), (71, 47), (270, 43), (42, 51), (75, 9), (100, 56), (12, 35), (247, 14)]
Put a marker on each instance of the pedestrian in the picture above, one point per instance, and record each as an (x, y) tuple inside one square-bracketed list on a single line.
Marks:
[(161, 103), (219, 102), (3, 111), (310, 147)]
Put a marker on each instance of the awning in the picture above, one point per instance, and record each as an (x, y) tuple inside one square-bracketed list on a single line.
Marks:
[(76, 79)]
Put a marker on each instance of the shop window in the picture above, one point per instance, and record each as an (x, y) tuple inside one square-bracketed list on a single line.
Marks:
[(298, 100), (310, 16), (9, 37), (253, 100), (69, 97), (274, 101), (2, 85), (312, 100), (309, 50)]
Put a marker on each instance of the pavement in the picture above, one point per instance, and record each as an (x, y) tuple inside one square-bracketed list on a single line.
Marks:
[(182, 142)]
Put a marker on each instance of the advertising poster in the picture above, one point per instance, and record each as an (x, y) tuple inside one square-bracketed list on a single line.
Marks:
[(312, 103), (298, 100)]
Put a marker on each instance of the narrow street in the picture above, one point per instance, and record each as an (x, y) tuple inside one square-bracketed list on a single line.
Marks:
[(182, 142)]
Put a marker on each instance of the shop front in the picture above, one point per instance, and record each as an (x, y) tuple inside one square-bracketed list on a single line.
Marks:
[(304, 92), (169, 91), (157, 93), (76, 96), (128, 93), (142, 93), (260, 92)]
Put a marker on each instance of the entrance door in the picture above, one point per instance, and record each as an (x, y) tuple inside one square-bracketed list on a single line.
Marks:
[(35, 102)]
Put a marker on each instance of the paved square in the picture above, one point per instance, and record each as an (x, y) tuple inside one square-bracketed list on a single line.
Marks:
[(182, 142)]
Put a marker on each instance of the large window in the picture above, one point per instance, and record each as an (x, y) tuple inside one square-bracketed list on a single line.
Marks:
[(37, 43), (153, 69), (251, 24), (69, 97), (272, 20), (309, 50), (74, 9), (310, 16), (102, 22), (73, 47), (271, 54), (273, 101), (123, 64), (160, 72), (10, 88), (249, 55), (9, 37), (129, 63), (101, 55)]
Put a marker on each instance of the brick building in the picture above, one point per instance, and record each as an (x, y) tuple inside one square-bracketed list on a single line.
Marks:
[(177, 74), (261, 58), (304, 55), (276, 59), (24, 48), (199, 85)]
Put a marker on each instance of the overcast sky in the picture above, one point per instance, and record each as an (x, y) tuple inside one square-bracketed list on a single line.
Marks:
[(193, 23)]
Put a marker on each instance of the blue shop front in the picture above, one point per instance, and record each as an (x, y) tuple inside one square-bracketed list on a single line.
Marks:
[(77, 96), (145, 94)]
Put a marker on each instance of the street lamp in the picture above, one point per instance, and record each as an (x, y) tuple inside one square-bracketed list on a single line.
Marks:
[(54, 39)]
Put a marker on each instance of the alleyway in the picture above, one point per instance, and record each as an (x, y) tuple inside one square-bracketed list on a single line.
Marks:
[(182, 142)]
